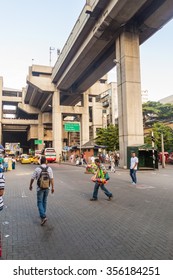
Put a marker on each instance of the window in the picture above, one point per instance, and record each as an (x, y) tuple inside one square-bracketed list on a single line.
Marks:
[(90, 113)]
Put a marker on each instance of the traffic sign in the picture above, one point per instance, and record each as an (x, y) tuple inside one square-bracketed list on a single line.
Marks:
[(72, 127), (36, 142)]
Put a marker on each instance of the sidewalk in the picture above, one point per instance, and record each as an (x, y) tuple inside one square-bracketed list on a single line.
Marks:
[(135, 224), (160, 169)]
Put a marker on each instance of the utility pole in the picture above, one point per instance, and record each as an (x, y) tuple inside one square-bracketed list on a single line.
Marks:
[(153, 140), (163, 152)]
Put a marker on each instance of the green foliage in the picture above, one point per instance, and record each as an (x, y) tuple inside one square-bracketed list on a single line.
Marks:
[(165, 111), (158, 129), (108, 137), (154, 115), (156, 112)]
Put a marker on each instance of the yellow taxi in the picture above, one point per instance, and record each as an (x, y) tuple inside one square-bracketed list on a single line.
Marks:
[(31, 158), (36, 159), (25, 159)]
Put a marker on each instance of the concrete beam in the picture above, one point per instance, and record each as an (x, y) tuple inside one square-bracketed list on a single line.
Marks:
[(11, 99), (71, 110), (28, 108), (161, 16), (15, 128), (19, 121), (33, 96), (47, 102), (41, 83)]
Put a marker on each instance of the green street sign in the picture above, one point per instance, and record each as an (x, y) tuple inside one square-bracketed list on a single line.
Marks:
[(36, 142), (73, 127)]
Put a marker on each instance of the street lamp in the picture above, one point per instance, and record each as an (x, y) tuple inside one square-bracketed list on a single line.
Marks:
[(50, 54), (58, 51)]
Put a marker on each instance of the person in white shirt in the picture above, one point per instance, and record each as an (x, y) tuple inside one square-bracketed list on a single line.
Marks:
[(133, 167), (112, 160), (92, 159)]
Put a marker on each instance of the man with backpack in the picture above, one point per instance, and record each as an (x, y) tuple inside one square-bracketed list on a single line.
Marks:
[(44, 176)]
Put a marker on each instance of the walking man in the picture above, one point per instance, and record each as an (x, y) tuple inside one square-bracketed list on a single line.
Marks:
[(133, 167), (42, 193), (100, 181), (112, 160), (2, 186)]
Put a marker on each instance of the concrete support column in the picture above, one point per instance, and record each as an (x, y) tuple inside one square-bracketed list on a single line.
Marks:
[(1, 88), (94, 118), (40, 132), (85, 121), (129, 92), (57, 123)]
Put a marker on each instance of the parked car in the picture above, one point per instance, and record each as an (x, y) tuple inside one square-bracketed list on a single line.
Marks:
[(36, 159), (31, 158), (166, 155), (170, 158), (25, 159)]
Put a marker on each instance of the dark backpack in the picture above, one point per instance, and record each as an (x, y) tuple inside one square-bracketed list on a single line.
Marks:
[(44, 180)]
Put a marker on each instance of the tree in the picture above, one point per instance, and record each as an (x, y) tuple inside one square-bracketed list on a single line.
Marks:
[(156, 112), (108, 137), (150, 112), (159, 128), (165, 111)]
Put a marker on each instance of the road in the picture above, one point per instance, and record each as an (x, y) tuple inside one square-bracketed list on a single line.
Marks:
[(136, 224)]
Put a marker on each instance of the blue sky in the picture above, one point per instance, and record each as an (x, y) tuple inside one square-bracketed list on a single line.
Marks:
[(30, 28)]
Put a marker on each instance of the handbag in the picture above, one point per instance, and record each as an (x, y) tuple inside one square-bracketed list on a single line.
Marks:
[(107, 177)]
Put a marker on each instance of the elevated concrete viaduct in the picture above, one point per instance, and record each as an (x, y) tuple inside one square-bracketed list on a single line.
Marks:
[(106, 32)]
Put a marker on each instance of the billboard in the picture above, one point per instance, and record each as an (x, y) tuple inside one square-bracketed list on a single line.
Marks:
[(12, 147)]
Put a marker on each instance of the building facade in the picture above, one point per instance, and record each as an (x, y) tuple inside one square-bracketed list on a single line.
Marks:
[(39, 112)]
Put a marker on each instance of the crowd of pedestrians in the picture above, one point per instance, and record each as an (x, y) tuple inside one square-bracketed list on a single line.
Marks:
[(80, 159), (6, 163), (99, 171)]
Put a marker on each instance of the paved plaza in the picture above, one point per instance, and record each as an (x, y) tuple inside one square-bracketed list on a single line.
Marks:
[(136, 224)]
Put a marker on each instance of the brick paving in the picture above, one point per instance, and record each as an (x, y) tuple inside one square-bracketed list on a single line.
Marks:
[(136, 224)]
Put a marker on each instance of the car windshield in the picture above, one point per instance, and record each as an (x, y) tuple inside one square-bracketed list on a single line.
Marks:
[(26, 157)]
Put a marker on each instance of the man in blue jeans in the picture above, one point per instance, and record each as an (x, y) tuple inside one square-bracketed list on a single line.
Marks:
[(133, 167), (42, 194), (100, 181)]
